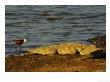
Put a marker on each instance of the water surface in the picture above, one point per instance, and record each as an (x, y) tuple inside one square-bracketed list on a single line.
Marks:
[(52, 24)]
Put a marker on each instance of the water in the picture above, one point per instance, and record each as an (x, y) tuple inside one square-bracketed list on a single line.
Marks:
[(52, 24)]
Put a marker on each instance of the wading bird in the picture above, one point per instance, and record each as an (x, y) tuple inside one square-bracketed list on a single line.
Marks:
[(20, 42)]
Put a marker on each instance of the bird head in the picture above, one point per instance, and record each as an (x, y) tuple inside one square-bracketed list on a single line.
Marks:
[(25, 40)]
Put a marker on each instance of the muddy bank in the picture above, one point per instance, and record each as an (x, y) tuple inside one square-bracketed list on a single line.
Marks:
[(99, 41), (57, 63), (40, 63)]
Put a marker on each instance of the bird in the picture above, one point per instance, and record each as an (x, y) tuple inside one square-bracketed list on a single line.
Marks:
[(19, 42)]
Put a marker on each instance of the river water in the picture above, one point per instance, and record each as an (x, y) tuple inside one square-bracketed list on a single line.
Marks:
[(52, 24)]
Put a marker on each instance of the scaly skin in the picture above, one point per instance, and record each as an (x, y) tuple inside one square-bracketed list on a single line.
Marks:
[(66, 48)]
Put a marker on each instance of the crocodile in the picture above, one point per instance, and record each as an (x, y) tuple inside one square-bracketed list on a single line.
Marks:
[(64, 48)]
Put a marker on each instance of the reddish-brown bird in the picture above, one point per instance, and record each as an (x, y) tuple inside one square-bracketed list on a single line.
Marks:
[(20, 42)]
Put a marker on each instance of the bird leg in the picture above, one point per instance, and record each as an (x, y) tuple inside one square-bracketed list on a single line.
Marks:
[(16, 48), (20, 48)]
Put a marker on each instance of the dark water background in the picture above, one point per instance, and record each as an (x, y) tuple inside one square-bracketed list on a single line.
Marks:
[(52, 24)]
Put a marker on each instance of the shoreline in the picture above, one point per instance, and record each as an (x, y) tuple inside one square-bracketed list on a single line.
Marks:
[(39, 63), (59, 63)]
